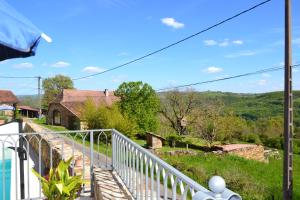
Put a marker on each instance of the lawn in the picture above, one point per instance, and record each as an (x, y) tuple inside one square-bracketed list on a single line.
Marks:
[(42, 122), (251, 179)]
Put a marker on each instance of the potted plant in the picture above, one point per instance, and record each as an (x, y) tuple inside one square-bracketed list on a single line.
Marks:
[(59, 185)]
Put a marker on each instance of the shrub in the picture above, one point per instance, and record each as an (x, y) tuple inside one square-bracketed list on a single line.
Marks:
[(251, 138), (245, 185), (296, 146), (173, 140), (60, 185), (273, 142), (102, 117)]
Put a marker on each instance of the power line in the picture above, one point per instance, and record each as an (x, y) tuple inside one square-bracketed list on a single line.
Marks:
[(227, 78), (16, 77), (178, 42)]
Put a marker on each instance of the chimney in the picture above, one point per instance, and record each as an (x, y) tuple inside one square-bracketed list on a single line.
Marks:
[(106, 92)]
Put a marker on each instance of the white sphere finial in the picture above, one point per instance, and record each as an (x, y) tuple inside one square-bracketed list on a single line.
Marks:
[(217, 185)]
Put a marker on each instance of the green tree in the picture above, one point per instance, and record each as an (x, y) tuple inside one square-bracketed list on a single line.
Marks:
[(102, 117), (53, 86), (139, 102), (177, 108), (208, 123)]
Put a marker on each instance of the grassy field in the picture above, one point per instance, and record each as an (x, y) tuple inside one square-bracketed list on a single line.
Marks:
[(251, 179), (42, 122)]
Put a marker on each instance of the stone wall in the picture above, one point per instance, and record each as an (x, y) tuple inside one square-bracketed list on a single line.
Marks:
[(41, 142), (59, 147), (248, 151), (154, 141)]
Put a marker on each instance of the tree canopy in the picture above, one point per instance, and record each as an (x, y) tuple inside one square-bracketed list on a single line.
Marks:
[(139, 102), (53, 86)]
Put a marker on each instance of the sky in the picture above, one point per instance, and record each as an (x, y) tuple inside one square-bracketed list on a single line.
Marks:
[(95, 35)]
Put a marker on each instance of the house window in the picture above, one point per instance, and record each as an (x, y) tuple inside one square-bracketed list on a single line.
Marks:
[(56, 117)]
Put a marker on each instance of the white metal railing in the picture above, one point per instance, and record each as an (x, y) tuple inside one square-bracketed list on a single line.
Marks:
[(148, 177), (145, 175), (42, 150)]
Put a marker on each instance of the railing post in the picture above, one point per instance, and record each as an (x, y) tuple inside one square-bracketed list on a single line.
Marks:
[(92, 162), (113, 142), (218, 191)]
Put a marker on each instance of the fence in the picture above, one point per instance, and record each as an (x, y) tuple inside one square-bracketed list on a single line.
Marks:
[(144, 174)]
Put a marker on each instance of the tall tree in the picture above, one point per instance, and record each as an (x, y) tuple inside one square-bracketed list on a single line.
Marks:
[(53, 86), (177, 108), (140, 103)]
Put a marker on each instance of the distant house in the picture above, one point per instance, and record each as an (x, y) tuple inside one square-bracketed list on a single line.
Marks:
[(28, 111), (66, 109), (8, 102)]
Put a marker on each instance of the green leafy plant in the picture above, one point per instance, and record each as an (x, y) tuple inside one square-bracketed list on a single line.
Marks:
[(173, 140), (60, 185)]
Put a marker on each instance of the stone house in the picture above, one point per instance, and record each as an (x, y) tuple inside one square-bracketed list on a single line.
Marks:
[(8, 99), (154, 141), (66, 109)]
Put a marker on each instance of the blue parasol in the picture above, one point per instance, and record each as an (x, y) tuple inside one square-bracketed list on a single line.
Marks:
[(6, 107), (18, 36)]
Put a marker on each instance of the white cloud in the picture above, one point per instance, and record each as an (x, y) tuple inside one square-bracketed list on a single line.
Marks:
[(25, 65), (240, 54), (93, 69), (60, 64), (3, 62), (172, 22), (213, 69), (238, 42), (210, 42), (266, 75), (124, 53), (222, 43), (119, 79), (225, 43), (296, 41), (262, 82)]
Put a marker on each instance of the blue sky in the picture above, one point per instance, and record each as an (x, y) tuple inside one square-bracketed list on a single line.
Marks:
[(94, 35)]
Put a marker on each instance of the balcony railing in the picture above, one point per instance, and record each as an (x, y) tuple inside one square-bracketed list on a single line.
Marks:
[(145, 175)]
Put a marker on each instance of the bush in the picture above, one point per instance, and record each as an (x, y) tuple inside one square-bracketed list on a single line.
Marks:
[(103, 117), (245, 185), (173, 140), (59, 185), (273, 142), (296, 146), (251, 138)]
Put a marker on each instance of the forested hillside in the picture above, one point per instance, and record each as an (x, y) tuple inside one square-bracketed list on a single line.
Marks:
[(252, 107), (29, 100)]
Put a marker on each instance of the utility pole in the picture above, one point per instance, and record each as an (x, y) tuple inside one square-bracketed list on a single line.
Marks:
[(288, 109), (39, 95)]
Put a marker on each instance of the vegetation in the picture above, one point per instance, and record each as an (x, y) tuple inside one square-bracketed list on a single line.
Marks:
[(139, 102), (53, 86), (228, 117), (102, 117), (29, 100), (253, 180), (42, 122), (59, 185), (177, 108)]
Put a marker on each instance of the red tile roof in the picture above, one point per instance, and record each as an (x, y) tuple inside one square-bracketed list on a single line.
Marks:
[(74, 100), (28, 108), (8, 97)]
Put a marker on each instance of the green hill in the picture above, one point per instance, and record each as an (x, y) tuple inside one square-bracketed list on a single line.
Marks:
[(29, 100), (253, 106)]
